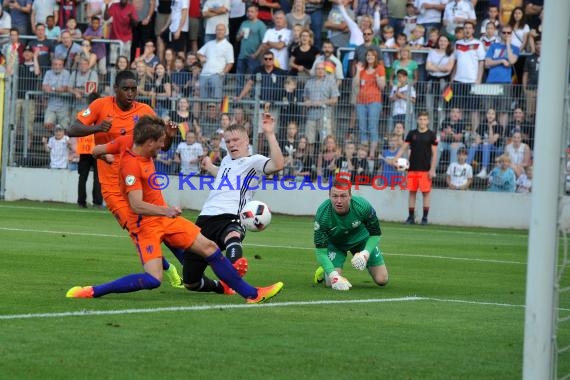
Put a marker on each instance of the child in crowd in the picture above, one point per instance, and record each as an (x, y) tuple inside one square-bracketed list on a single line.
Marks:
[(288, 147), (71, 27), (410, 19), (362, 166), (58, 148), (188, 154), (164, 161), (402, 96), (386, 167), (490, 36), (347, 162), (524, 182), (388, 42), (433, 36), (417, 42), (492, 18), (460, 173), (52, 31), (502, 177), (459, 34)]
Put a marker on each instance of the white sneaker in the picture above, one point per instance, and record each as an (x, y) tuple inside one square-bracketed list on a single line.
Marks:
[(482, 173)]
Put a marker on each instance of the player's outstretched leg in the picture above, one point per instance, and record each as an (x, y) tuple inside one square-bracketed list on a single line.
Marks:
[(127, 284), (227, 273)]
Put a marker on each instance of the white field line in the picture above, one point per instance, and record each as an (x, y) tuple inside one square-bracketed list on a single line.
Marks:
[(432, 229), (203, 307), (270, 246), (86, 313)]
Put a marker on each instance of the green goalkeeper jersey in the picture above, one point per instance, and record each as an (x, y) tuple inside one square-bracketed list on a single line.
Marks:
[(348, 231)]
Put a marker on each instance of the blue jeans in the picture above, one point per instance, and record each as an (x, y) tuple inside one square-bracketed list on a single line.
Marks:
[(368, 118), (244, 66), (317, 26), (396, 23), (211, 86), (486, 150), (451, 147)]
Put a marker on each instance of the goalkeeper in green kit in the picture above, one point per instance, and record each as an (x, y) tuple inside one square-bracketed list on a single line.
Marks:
[(346, 223)]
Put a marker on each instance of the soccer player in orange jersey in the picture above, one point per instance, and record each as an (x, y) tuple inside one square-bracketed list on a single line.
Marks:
[(108, 118), (151, 221)]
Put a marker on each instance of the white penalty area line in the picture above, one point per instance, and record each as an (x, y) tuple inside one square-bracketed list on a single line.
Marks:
[(438, 257), (85, 313)]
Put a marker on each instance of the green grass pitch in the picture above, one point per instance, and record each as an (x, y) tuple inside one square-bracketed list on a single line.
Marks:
[(453, 308)]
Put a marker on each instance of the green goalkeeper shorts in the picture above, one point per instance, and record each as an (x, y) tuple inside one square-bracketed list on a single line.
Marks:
[(338, 256)]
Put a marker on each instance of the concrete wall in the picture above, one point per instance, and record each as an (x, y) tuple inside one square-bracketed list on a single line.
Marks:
[(458, 208)]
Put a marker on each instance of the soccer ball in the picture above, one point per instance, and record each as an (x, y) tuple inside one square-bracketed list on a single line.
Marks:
[(402, 164), (255, 216)]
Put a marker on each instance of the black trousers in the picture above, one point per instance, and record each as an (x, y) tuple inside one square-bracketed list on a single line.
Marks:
[(86, 162)]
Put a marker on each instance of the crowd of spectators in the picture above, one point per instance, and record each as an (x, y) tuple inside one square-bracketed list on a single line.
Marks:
[(344, 77)]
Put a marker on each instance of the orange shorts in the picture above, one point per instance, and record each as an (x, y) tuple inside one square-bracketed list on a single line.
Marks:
[(175, 232), (118, 205), (419, 180)]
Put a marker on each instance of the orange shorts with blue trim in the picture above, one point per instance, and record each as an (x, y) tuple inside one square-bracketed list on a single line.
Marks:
[(419, 180), (176, 232), (118, 205)]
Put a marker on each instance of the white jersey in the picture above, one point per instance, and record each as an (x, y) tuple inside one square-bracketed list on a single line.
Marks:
[(459, 173), (235, 184)]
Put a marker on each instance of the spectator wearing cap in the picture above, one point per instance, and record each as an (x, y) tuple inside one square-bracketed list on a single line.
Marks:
[(58, 148), (271, 80)]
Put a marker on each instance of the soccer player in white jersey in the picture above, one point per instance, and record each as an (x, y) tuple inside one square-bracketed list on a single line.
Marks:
[(237, 174)]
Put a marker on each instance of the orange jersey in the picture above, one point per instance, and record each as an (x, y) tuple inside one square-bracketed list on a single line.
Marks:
[(135, 173), (122, 123)]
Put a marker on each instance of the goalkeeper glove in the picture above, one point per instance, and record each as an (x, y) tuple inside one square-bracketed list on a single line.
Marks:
[(338, 282), (360, 259)]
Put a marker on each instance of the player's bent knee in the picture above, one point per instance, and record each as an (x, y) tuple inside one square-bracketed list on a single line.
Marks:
[(193, 286)]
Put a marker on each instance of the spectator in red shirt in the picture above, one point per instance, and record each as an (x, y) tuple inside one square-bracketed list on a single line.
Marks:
[(124, 21)]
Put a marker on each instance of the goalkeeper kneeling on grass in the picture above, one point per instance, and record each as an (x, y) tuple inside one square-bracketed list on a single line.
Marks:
[(346, 223)]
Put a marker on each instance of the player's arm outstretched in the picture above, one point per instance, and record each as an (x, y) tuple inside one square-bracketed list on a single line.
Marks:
[(277, 161), (372, 224)]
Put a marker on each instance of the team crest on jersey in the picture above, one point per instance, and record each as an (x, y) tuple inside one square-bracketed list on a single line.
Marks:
[(317, 226), (332, 255), (136, 118), (356, 223), (87, 112), (130, 180)]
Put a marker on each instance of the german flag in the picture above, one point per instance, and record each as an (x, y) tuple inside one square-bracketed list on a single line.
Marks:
[(447, 94), (183, 128), (225, 106)]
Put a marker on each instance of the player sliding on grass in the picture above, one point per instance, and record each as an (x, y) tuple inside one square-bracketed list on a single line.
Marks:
[(108, 118), (237, 174), (347, 223), (151, 221)]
